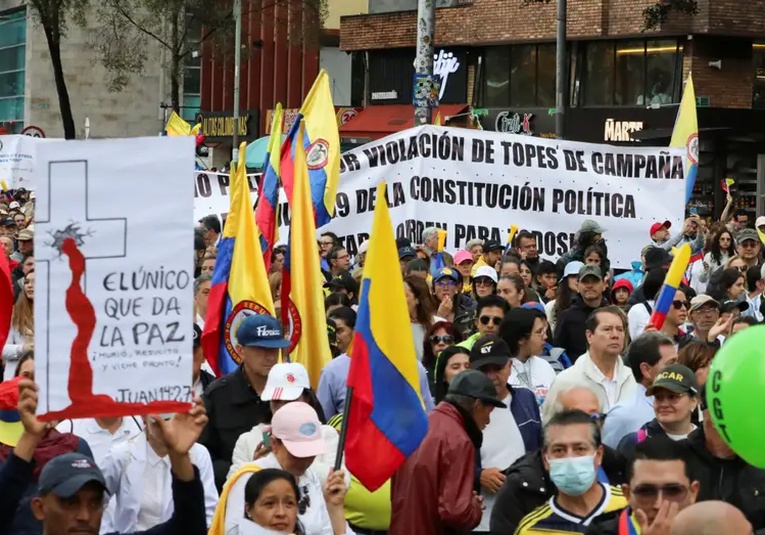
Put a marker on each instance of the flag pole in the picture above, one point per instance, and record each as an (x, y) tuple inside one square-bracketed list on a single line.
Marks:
[(343, 429)]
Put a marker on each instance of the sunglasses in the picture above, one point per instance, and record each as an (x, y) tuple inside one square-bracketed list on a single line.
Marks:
[(493, 319), (673, 492), (483, 281), (446, 339), (742, 269), (677, 305)]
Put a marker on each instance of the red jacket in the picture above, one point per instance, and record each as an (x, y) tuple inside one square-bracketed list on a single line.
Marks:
[(432, 492)]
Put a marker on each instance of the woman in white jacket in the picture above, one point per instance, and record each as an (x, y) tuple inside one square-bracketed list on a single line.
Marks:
[(22, 332), (287, 382), (138, 481)]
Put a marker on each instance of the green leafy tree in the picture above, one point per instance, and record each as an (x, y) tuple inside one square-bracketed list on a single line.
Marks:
[(54, 17), (130, 29)]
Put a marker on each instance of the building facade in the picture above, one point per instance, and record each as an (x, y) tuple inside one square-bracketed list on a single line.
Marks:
[(624, 84), (28, 95)]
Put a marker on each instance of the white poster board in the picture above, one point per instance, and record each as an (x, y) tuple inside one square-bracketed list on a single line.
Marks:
[(114, 275), (211, 193), (17, 160)]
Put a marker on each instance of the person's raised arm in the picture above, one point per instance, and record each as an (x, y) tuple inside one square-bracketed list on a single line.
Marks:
[(179, 434), (725, 216)]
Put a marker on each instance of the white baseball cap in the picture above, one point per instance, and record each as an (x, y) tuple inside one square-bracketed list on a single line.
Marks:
[(486, 271), (286, 382), (13, 205)]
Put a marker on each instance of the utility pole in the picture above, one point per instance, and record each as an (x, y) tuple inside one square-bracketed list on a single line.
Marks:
[(561, 78), (423, 64), (237, 61)]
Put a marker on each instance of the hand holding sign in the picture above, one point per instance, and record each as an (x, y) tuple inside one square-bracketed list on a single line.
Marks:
[(736, 378)]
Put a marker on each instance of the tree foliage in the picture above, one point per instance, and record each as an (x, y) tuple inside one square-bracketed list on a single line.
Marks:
[(656, 14), (54, 17), (131, 30)]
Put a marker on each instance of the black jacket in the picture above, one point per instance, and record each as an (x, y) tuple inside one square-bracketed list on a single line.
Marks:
[(628, 443), (569, 330), (188, 496), (233, 408), (605, 524), (730, 480), (528, 486)]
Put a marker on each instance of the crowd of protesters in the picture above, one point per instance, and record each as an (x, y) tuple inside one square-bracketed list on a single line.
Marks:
[(555, 405)]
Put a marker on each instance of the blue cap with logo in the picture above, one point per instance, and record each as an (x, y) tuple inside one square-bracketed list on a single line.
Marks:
[(445, 273), (261, 330), (66, 474)]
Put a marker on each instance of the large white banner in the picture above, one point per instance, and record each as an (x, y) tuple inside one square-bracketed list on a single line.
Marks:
[(114, 273), (211, 193), (17, 160), (476, 184)]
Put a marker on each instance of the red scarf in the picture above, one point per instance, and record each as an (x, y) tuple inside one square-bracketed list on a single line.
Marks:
[(52, 445)]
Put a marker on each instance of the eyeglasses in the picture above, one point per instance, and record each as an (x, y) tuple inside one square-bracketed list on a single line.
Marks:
[(493, 319), (748, 243), (598, 416), (305, 500), (707, 310), (483, 281), (446, 339), (445, 284), (680, 304), (742, 269), (674, 492)]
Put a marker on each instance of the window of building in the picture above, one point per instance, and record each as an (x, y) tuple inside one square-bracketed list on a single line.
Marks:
[(13, 33), (758, 94), (631, 73), (519, 76), (192, 74)]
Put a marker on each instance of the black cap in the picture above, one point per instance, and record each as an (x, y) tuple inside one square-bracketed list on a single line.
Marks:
[(656, 257), (197, 340), (403, 242), (66, 474), (8, 222), (344, 281), (332, 332), (675, 378), (492, 245), (406, 252), (489, 349), (475, 384), (590, 270)]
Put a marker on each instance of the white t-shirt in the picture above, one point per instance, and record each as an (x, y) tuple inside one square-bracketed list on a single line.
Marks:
[(536, 374), (681, 437), (502, 445), (638, 317)]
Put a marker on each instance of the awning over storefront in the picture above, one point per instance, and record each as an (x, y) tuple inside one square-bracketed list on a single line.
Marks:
[(381, 120)]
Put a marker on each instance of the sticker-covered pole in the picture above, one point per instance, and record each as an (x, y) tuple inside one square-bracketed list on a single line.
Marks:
[(423, 63)]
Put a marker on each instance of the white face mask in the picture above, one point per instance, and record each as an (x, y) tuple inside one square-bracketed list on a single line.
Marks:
[(248, 527)]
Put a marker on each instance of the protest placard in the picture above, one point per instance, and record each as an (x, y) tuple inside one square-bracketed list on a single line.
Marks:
[(211, 193), (17, 160), (114, 274)]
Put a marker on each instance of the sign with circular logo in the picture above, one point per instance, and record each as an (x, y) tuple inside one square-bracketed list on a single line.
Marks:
[(693, 148), (290, 378), (240, 312), (295, 326), (33, 131), (347, 115), (317, 154)]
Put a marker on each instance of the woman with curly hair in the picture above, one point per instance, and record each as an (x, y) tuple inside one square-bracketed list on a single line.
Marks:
[(719, 248)]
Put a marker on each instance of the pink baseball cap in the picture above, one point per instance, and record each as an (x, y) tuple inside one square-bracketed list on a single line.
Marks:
[(297, 425), (461, 256)]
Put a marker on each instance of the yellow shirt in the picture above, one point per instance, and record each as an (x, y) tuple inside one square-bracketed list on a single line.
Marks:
[(550, 519), (367, 510)]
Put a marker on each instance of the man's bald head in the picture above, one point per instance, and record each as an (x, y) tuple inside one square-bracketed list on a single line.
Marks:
[(711, 518), (580, 398)]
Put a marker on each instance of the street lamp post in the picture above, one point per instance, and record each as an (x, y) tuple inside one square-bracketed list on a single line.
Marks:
[(560, 70), (237, 61)]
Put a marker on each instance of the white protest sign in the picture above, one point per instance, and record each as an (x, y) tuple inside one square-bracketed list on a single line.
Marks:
[(211, 193), (476, 184), (114, 270), (17, 160)]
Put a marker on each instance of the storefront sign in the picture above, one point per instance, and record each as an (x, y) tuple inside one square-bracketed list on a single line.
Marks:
[(445, 64), (342, 113), (219, 126), (385, 95), (621, 130), (513, 123)]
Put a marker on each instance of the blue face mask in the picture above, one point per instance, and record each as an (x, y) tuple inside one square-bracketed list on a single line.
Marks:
[(573, 475)]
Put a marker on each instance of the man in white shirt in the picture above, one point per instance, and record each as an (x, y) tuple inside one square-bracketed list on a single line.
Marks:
[(602, 367), (102, 434), (647, 355)]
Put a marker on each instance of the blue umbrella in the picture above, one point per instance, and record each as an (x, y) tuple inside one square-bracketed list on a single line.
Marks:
[(257, 151)]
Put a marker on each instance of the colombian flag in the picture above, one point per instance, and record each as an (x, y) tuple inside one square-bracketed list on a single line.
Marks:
[(321, 141), (312, 348), (386, 413), (239, 283), (672, 282), (268, 196), (686, 135)]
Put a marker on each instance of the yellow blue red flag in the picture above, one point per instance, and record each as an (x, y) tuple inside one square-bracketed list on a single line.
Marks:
[(321, 142), (386, 413), (268, 196), (239, 282), (302, 265), (686, 135)]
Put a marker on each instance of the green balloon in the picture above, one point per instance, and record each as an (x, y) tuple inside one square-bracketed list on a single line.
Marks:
[(736, 380)]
